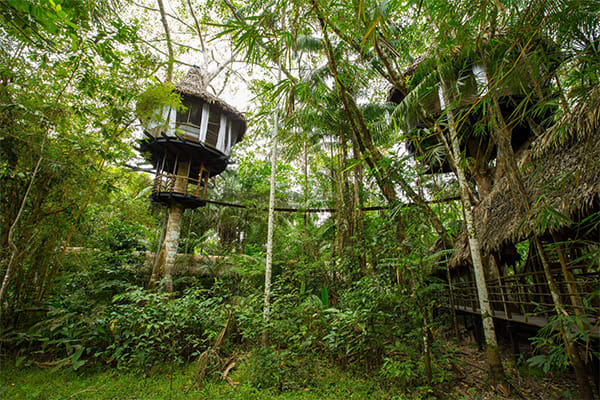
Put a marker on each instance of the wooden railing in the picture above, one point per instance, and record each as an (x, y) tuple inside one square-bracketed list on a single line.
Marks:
[(526, 297), (167, 183)]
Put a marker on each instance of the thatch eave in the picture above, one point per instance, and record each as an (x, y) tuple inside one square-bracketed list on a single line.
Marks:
[(562, 176)]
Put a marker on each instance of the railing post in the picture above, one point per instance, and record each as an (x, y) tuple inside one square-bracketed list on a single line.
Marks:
[(187, 177), (572, 287), (521, 291), (162, 167), (452, 303), (496, 268), (206, 184), (472, 291), (198, 183)]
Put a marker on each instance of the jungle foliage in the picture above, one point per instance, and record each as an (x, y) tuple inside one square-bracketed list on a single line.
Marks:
[(362, 289)]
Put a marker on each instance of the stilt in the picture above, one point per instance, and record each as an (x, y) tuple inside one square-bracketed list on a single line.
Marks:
[(478, 331), (514, 343)]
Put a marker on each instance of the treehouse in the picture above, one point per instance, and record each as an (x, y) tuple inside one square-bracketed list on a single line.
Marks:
[(563, 181), (561, 174), (534, 256), (424, 104), (189, 146)]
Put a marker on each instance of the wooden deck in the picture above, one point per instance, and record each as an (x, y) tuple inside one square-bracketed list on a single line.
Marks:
[(188, 191), (524, 319), (525, 298)]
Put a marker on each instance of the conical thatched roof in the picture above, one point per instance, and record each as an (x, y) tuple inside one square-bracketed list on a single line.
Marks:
[(562, 177), (194, 84)]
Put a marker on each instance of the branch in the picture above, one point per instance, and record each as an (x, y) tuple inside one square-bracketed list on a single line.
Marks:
[(365, 143), (187, 46), (176, 18), (227, 75), (358, 48), (197, 24), (282, 67), (165, 54), (233, 10), (163, 17), (9, 268), (395, 78), (222, 66)]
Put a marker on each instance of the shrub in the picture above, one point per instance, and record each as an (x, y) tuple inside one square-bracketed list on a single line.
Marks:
[(366, 316), (149, 328), (138, 330), (269, 368)]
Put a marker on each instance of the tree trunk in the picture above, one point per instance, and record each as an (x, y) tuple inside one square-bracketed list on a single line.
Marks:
[(155, 275), (305, 216), (173, 231), (163, 18), (171, 243), (361, 135), (572, 286), (585, 389), (357, 214), (10, 266), (270, 227), (493, 355), (426, 346)]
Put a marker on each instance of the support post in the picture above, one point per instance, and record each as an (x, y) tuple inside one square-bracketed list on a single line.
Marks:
[(199, 181), (206, 184), (173, 231)]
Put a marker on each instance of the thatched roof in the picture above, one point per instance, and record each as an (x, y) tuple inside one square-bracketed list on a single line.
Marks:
[(562, 177), (194, 84)]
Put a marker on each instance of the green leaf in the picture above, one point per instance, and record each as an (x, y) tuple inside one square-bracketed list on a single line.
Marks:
[(20, 361), (371, 29), (19, 5), (325, 297), (76, 358)]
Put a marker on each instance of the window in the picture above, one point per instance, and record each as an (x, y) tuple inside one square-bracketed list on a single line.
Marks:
[(163, 123), (190, 120), (212, 130)]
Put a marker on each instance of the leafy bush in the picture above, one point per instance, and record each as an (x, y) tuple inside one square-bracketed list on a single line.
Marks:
[(148, 328), (367, 316), (403, 372), (74, 328), (269, 368), (548, 344), (138, 330), (248, 313), (404, 365)]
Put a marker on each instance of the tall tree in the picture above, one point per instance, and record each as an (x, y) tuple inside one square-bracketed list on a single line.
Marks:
[(67, 93), (270, 225), (492, 352)]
